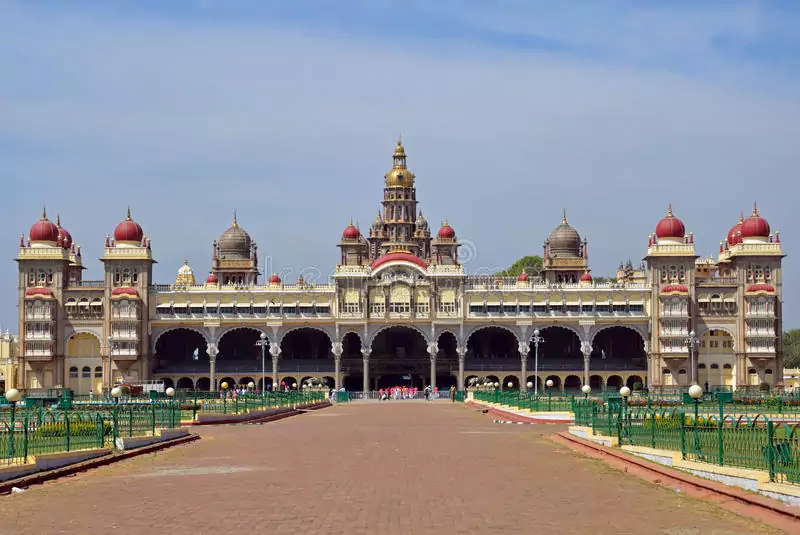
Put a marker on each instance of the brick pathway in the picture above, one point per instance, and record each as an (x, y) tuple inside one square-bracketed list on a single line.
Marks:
[(384, 468)]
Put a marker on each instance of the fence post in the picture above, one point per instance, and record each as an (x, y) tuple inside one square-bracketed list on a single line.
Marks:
[(153, 417), (26, 421), (682, 416), (652, 426), (114, 424), (66, 418), (194, 407), (771, 450), (720, 434), (130, 420)]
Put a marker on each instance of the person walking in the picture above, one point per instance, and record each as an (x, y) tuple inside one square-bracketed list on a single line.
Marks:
[(453, 393)]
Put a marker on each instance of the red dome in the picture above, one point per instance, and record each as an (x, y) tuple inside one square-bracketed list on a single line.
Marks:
[(755, 226), (674, 288), (670, 226), (124, 291), (447, 231), (129, 230), (39, 292), (212, 279), (399, 257), (274, 279), (44, 230), (351, 232), (734, 234), (523, 277), (760, 288), (586, 277)]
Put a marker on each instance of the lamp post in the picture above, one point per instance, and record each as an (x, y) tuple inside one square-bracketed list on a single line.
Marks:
[(224, 387), (171, 406), (625, 392), (549, 385), (263, 343), (696, 392), (586, 389), (692, 341), (116, 392), (12, 396), (536, 341), (109, 340)]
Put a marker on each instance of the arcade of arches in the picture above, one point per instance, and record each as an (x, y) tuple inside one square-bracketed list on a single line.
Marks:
[(400, 355)]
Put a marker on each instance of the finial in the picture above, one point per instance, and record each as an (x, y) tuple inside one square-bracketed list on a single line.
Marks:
[(185, 262), (755, 209), (400, 140), (129, 213), (564, 216), (44, 213), (669, 210), (235, 223), (351, 221), (741, 217), (58, 220)]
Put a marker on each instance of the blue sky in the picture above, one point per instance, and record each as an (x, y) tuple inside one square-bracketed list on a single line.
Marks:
[(288, 111)]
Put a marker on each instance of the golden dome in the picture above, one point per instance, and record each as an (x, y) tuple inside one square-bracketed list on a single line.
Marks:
[(185, 275), (399, 176)]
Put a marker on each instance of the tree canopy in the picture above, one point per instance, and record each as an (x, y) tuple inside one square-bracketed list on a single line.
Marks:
[(531, 265), (791, 348)]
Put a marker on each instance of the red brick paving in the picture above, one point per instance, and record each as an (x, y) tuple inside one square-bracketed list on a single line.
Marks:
[(383, 468)]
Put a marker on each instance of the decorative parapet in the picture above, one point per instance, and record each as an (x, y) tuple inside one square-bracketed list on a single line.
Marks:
[(352, 271), (480, 284), (127, 253), (446, 269), (665, 248), (238, 288), (43, 253), (755, 249)]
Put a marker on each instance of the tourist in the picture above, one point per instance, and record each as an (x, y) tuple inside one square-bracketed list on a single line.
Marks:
[(453, 393)]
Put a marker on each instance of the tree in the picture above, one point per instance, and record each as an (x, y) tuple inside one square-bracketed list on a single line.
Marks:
[(791, 348), (532, 265)]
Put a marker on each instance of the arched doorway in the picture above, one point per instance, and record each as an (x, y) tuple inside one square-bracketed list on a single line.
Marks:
[(185, 383), (597, 383), (614, 382), (512, 380), (230, 381), (556, 383), (204, 384), (493, 349), (181, 351), (399, 357), (244, 381), (306, 352), (169, 383), (289, 383), (560, 349), (84, 355), (352, 364), (618, 348), (572, 384), (635, 382), (238, 352), (447, 361), (268, 380)]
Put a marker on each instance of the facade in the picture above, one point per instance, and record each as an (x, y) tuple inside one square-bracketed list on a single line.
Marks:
[(9, 347), (400, 309)]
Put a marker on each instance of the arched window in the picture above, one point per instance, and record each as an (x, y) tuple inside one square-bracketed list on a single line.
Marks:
[(682, 273), (117, 277), (749, 273), (768, 371), (715, 366), (759, 272), (135, 278), (126, 276), (41, 277), (50, 276), (681, 372), (86, 372), (673, 272), (664, 275), (701, 366), (767, 273), (727, 367), (98, 371), (73, 372), (31, 277)]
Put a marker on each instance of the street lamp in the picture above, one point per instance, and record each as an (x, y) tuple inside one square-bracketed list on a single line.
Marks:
[(224, 387), (625, 392), (263, 343), (12, 396), (586, 389), (116, 392), (549, 385), (170, 392), (536, 341), (692, 341), (696, 392)]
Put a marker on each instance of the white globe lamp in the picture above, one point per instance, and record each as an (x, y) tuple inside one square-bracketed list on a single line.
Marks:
[(624, 391), (586, 389)]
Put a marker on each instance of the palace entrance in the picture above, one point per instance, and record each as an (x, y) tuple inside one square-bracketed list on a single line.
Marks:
[(399, 357)]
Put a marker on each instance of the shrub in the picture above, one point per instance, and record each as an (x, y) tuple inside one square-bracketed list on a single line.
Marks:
[(76, 429), (637, 386)]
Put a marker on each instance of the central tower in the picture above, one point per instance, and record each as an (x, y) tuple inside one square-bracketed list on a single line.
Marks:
[(398, 227)]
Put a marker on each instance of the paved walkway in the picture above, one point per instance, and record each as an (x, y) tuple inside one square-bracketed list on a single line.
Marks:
[(388, 468)]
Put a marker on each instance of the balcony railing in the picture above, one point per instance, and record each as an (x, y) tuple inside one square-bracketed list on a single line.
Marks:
[(86, 284), (717, 281)]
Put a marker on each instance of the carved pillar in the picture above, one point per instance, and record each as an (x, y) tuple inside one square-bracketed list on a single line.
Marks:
[(432, 354), (586, 349), (365, 360), (524, 350), (462, 355), (211, 349), (337, 365), (275, 352)]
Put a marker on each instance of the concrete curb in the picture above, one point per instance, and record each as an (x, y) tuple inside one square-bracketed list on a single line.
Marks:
[(261, 419), (50, 475), (727, 492), (501, 416)]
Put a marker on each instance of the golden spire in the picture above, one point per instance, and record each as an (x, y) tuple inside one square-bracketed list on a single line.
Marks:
[(58, 220), (235, 223), (44, 213), (741, 217), (564, 216), (669, 210), (755, 209), (128, 218)]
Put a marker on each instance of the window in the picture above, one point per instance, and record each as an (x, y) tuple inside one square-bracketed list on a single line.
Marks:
[(117, 278), (98, 371), (86, 372), (767, 273), (673, 272), (41, 277), (682, 273), (715, 366), (400, 307), (447, 308), (759, 272), (73, 372), (31, 277), (664, 275), (50, 277), (135, 277), (349, 308), (511, 310), (749, 273), (126, 276)]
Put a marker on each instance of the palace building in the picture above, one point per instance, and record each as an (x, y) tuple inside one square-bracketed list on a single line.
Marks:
[(400, 309)]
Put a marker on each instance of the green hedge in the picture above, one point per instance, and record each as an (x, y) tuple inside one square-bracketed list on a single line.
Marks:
[(76, 429)]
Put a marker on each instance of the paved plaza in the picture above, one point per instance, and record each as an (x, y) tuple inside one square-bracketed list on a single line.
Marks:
[(379, 468)]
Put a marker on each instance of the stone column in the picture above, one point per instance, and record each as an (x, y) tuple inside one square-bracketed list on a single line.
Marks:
[(586, 349), (211, 349), (432, 354), (275, 351), (337, 365), (524, 350), (365, 359), (462, 355)]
